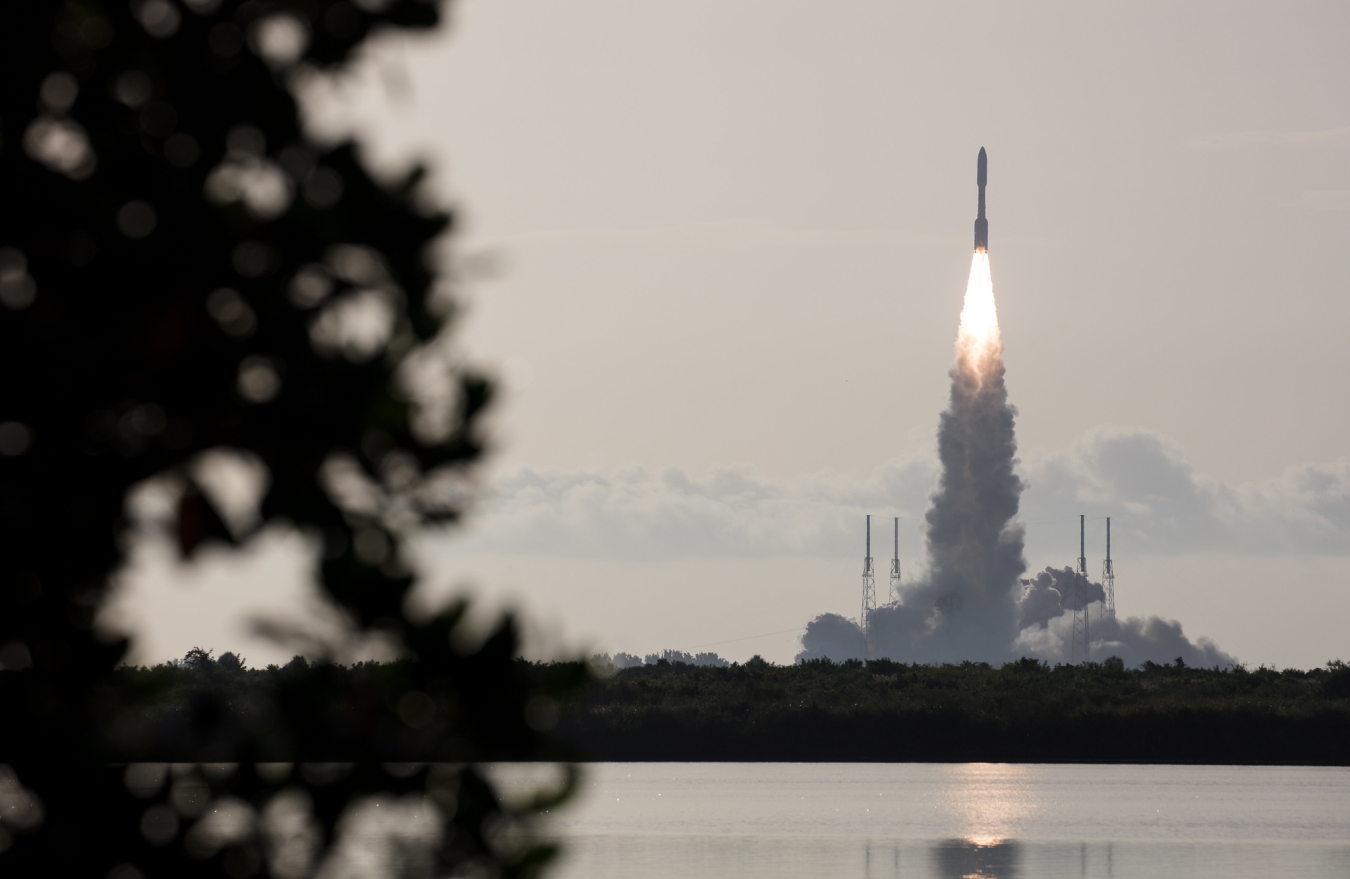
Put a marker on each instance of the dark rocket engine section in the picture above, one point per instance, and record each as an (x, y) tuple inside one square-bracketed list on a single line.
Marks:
[(981, 224)]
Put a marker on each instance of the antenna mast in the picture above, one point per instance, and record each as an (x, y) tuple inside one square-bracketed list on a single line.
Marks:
[(1078, 652), (1109, 577), (869, 596)]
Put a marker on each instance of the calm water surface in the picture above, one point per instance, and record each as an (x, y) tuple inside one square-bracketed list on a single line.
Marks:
[(983, 821)]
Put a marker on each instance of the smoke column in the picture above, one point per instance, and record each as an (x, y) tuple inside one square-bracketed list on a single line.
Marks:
[(966, 607), (974, 547)]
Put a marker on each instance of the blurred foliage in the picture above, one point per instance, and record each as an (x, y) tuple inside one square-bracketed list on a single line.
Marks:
[(1025, 711), (183, 271)]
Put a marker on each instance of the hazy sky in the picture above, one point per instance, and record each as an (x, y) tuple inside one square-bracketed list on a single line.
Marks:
[(729, 241)]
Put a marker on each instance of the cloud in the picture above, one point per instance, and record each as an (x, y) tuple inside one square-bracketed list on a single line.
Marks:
[(729, 513), (1159, 505), (1322, 139)]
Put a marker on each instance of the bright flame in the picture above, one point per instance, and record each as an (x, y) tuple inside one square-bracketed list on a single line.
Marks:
[(979, 336)]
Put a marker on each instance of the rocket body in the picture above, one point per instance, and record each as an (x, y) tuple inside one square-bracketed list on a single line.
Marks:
[(981, 224)]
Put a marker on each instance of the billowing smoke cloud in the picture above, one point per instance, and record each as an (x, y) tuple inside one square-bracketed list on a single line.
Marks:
[(1051, 593), (973, 603), (831, 636), (1135, 640)]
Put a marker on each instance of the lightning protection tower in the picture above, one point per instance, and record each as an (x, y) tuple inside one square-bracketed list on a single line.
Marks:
[(895, 564), (869, 598), (1109, 578), (1078, 651)]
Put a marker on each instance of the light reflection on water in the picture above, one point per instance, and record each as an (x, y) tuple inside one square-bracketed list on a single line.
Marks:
[(989, 801), (944, 821), (674, 857), (974, 859)]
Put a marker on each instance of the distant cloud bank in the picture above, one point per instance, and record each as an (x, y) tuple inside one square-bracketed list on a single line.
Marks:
[(1162, 506), (644, 514), (1158, 505)]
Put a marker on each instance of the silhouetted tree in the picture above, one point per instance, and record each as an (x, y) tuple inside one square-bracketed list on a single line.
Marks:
[(197, 658), (232, 661), (183, 270)]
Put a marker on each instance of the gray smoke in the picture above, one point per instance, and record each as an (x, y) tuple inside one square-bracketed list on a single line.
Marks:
[(830, 636), (1135, 640), (967, 606), (1049, 600), (1053, 592)]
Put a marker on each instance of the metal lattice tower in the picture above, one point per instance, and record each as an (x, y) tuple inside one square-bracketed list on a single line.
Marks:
[(895, 565), (1078, 652), (1109, 578), (869, 598)]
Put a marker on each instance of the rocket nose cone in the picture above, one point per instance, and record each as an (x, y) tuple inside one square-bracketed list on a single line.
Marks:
[(982, 172)]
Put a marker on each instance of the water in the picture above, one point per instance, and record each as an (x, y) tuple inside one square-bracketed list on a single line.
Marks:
[(976, 821)]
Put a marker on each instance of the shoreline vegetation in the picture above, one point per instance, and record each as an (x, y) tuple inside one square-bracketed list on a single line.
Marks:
[(206, 709), (1023, 712)]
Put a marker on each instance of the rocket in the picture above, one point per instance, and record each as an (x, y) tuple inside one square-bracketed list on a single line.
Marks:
[(981, 224)]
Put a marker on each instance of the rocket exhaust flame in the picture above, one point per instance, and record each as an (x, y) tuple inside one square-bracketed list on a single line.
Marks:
[(978, 341)]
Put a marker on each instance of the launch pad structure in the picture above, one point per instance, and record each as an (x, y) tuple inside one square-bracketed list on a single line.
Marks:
[(1109, 578), (895, 565), (1078, 651), (1080, 647), (869, 596)]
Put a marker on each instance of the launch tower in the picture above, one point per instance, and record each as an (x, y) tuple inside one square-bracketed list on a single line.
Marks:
[(869, 596), (1109, 578), (1078, 652), (895, 565)]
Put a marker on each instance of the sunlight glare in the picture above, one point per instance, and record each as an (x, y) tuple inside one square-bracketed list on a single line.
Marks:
[(989, 802)]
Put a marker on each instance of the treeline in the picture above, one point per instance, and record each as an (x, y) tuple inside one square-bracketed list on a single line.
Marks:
[(1025, 711), (203, 709), (601, 661), (468, 708)]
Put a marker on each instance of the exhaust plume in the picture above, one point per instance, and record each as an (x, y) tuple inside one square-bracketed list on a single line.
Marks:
[(973, 603), (966, 608)]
